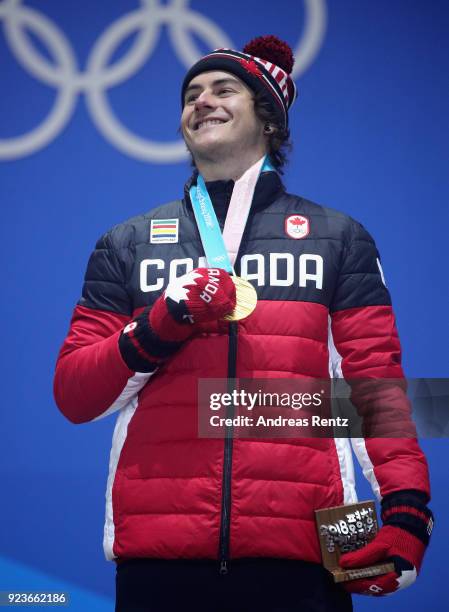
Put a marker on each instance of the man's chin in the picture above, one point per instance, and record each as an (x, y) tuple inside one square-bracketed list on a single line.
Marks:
[(213, 149)]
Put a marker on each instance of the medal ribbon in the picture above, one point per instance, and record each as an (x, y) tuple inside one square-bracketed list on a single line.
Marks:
[(221, 249)]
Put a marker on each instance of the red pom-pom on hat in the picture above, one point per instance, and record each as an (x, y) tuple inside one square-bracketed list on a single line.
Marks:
[(272, 49)]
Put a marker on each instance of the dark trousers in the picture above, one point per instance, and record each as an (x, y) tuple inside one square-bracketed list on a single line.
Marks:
[(259, 585)]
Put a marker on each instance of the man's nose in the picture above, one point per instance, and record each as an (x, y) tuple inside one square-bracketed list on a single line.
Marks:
[(204, 100)]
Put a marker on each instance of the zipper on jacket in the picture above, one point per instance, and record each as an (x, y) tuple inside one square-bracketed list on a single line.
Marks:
[(227, 459)]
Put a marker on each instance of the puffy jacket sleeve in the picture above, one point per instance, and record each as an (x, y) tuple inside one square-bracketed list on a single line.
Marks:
[(367, 347), (91, 378)]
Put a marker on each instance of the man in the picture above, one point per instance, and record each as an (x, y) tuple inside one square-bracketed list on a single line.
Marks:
[(229, 524)]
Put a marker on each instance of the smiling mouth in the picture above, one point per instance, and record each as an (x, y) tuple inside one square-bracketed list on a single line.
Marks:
[(207, 122)]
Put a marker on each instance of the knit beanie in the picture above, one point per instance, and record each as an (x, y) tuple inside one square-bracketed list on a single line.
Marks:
[(265, 66)]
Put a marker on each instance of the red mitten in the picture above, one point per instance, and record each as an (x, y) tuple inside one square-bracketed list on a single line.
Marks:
[(204, 294), (402, 540)]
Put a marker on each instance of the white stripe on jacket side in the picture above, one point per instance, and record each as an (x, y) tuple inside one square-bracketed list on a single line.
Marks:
[(127, 404), (118, 440), (342, 445), (358, 444), (132, 388)]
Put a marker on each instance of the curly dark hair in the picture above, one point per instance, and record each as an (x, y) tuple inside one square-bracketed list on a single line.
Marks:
[(279, 143)]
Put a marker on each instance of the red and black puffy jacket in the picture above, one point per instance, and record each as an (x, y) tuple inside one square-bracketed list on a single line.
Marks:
[(323, 310)]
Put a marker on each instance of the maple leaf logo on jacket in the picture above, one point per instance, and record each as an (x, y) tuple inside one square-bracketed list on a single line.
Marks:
[(297, 226), (178, 289), (297, 221)]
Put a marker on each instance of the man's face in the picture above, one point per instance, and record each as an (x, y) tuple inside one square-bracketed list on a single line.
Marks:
[(218, 119)]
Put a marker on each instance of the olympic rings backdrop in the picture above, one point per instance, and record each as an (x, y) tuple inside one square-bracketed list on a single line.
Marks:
[(89, 116)]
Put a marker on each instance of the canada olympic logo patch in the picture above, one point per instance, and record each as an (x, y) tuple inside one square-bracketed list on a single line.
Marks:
[(297, 226)]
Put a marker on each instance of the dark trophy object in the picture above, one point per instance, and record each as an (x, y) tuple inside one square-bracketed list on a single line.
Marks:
[(345, 529)]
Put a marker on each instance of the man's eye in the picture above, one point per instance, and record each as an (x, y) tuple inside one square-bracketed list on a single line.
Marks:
[(191, 98), (225, 90)]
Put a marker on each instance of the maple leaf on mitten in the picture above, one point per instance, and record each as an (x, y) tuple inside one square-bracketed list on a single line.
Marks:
[(204, 294)]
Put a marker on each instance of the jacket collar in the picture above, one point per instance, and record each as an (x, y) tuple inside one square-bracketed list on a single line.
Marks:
[(268, 187)]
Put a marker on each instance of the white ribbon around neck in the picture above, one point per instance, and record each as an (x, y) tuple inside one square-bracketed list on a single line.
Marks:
[(239, 207)]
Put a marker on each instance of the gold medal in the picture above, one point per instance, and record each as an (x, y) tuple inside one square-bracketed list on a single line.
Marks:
[(246, 299)]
